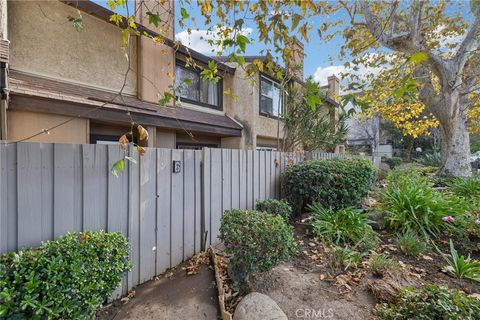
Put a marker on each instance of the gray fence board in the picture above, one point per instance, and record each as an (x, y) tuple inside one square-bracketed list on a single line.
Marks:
[(177, 213), (189, 204), (3, 199), (148, 202), (29, 177), (164, 170), (63, 185), (95, 186)]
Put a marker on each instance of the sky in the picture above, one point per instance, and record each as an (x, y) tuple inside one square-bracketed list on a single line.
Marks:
[(321, 59)]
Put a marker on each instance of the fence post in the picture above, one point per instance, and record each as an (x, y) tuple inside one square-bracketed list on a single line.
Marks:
[(203, 234)]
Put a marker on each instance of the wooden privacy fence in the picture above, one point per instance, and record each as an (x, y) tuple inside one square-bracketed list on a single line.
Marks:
[(47, 190)]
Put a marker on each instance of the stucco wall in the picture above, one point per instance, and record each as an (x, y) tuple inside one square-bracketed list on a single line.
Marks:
[(44, 42), (22, 124), (246, 109), (165, 139)]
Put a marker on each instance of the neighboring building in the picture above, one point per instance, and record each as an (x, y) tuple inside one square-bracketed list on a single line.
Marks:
[(365, 134), (56, 72)]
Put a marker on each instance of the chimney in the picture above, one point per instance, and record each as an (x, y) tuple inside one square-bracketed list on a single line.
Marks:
[(298, 57), (333, 86), (156, 61)]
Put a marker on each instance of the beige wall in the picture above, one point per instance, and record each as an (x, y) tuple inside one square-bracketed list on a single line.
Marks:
[(47, 44), (156, 61), (197, 139), (246, 110), (165, 139), (22, 124)]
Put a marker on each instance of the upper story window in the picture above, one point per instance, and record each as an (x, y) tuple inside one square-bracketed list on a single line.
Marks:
[(194, 89), (271, 99)]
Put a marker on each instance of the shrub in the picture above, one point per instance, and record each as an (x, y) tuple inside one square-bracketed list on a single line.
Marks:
[(64, 279), (380, 263), (393, 161), (412, 204), (461, 267), (257, 241), (466, 187), (336, 184), (345, 258), (277, 207), (410, 243), (411, 173), (431, 302), (344, 227), (431, 159)]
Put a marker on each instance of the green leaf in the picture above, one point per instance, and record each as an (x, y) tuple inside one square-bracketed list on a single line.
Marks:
[(295, 20), (118, 167), (77, 22), (242, 42), (184, 13), (154, 18), (167, 97), (418, 57)]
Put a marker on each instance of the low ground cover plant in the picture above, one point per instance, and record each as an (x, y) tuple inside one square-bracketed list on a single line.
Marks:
[(336, 184), (381, 263), (345, 227), (466, 187), (277, 207), (68, 278), (256, 241), (461, 267), (392, 162), (431, 302), (409, 243), (345, 258), (411, 203)]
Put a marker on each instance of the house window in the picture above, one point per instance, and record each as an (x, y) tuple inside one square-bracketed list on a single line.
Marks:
[(103, 139), (194, 89), (271, 99)]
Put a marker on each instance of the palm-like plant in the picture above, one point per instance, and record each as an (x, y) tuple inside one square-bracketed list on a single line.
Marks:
[(461, 267)]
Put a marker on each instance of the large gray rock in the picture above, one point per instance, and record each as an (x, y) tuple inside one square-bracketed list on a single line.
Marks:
[(257, 306)]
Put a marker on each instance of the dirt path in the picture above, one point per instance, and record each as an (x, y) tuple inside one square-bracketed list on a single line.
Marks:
[(179, 297), (302, 295)]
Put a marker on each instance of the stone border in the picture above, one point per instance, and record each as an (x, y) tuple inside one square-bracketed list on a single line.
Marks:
[(221, 292)]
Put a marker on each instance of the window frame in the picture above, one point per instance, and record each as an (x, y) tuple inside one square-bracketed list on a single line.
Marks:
[(271, 79), (219, 107)]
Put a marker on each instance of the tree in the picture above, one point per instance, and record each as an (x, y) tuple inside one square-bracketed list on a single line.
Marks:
[(442, 81), (308, 121)]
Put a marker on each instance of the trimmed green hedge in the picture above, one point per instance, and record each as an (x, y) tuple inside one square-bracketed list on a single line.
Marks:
[(64, 279), (277, 207), (257, 241), (336, 184)]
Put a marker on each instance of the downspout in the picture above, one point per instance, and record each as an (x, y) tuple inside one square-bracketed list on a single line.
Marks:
[(4, 59)]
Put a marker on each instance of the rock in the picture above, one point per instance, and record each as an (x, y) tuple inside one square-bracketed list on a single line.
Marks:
[(475, 295), (377, 220), (388, 288), (256, 306)]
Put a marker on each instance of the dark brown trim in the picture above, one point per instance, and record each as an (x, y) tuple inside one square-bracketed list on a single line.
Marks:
[(104, 14), (67, 108)]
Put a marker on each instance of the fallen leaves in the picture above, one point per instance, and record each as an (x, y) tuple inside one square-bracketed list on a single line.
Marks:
[(194, 264)]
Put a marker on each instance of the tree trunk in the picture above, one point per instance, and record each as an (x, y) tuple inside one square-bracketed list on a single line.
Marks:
[(455, 145)]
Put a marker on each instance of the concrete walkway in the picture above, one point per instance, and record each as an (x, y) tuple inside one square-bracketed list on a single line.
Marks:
[(179, 297)]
